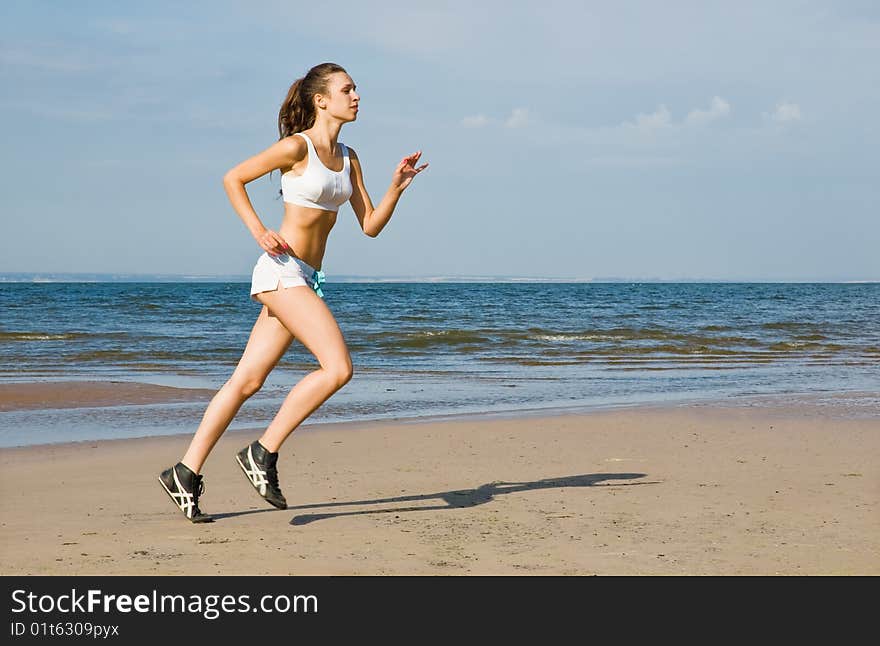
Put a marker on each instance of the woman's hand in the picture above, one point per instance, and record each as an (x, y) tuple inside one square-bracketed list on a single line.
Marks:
[(406, 170), (273, 243)]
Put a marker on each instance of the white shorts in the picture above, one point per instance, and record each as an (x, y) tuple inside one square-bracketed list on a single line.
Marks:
[(285, 269)]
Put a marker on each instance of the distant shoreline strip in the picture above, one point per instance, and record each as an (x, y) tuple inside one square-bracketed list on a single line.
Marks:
[(19, 278)]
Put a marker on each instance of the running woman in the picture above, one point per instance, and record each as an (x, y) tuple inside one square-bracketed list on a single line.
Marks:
[(318, 175)]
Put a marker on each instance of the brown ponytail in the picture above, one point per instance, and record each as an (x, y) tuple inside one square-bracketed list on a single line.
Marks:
[(297, 111)]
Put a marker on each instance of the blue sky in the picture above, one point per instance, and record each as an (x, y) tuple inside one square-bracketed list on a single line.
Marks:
[(733, 140)]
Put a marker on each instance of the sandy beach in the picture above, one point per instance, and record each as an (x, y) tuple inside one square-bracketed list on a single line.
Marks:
[(696, 489)]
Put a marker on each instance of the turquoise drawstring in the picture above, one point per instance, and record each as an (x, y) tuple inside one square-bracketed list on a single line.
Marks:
[(318, 280)]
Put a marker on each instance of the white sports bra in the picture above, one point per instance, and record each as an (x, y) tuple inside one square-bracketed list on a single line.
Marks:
[(318, 187)]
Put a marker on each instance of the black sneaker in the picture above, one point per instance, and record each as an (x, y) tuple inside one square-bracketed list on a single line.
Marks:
[(184, 487), (259, 467)]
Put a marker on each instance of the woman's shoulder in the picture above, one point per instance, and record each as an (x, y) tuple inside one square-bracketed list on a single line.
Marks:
[(294, 146)]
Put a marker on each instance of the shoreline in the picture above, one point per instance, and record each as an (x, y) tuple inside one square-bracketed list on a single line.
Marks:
[(63, 395), (698, 489), (77, 394)]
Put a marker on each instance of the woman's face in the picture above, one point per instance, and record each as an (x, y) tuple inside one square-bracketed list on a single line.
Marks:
[(341, 100)]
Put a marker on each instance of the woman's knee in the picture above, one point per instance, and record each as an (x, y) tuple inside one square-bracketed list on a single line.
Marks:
[(340, 372), (245, 387)]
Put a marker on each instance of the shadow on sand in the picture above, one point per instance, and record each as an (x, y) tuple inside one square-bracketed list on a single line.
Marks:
[(465, 497), (233, 514)]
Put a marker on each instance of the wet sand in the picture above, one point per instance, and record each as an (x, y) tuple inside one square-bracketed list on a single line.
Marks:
[(78, 394)]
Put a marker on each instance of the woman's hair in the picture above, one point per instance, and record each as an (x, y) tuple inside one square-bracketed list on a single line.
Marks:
[(298, 110)]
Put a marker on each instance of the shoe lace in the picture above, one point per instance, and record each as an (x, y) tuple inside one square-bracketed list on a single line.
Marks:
[(198, 490), (272, 477)]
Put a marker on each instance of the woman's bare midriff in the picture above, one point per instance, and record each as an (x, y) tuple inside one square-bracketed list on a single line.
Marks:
[(306, 231)]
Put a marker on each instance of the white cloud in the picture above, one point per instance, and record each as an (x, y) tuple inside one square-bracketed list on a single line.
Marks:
[(518, 118), (718, 108), (661, 118), (786, 112), (475, 121)]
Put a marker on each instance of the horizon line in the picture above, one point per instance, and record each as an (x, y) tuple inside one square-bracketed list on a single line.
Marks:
[(97, 277)]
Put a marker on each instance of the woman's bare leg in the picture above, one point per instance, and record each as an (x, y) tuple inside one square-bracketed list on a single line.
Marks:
[(306, 317), (268, 342)]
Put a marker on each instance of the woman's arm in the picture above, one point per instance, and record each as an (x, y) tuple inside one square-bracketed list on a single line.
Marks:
[(373, 220), (279, 156)]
